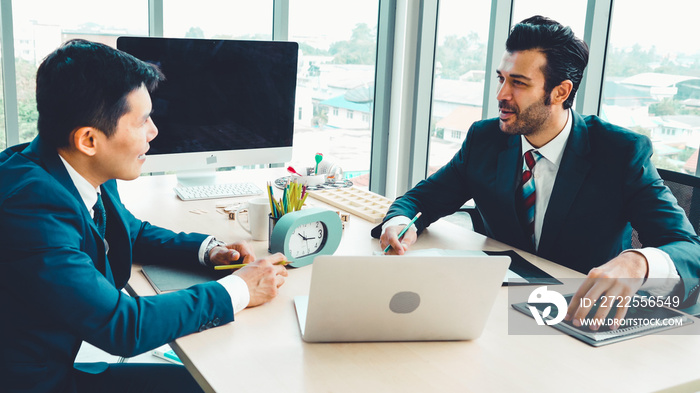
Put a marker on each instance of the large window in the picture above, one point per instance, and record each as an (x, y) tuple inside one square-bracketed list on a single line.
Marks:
[(337, 52), (40, 26), (226, 19), (652, 78), (458, 85)]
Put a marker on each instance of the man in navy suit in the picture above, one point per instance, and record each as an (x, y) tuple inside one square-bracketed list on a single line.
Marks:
[(62, 270), (593, 181)]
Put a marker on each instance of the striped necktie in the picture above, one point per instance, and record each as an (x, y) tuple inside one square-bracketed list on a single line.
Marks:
[(100, 216), (528, 192)]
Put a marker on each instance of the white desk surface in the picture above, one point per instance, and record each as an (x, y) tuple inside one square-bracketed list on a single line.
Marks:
[(262, 350)]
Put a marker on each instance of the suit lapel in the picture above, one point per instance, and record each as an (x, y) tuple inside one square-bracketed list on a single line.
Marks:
[(50, 161), (120, 244), (507, 180), (574, 167)]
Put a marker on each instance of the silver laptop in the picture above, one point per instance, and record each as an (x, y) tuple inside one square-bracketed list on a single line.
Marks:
[(399, 298)]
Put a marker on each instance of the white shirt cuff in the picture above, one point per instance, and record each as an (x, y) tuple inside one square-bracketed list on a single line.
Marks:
[(662, 277), (398, 220), (237, 290), (203, 249)]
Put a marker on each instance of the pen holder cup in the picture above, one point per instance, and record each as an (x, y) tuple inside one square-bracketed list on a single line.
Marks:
[(272, 222)]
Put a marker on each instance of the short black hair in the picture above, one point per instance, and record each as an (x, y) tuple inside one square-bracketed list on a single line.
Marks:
[(85, 84), (567, 55)]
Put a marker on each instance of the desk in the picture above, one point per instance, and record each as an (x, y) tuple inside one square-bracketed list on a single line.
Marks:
[(262, 350)]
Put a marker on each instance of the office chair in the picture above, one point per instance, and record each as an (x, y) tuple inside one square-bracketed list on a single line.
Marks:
[(686, 188), (475, 216)]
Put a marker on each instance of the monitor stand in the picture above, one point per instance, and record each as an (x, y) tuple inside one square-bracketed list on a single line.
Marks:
[(198, 177)]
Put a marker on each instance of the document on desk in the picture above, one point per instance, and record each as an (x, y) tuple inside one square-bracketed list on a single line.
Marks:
[(639, 321), (520, 272)]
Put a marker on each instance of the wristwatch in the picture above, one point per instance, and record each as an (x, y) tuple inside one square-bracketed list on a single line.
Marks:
[(213, 243)]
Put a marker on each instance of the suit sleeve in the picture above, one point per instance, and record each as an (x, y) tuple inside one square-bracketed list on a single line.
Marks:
[(653, 211), (441, 194), (47, 260)]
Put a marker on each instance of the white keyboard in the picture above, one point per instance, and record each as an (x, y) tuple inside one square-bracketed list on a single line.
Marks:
[(192, 193)]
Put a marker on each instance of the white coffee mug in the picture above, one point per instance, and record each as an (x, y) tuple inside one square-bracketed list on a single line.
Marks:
[(258, 214)]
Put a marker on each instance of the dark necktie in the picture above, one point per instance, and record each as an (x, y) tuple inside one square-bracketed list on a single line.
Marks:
[(100, 216), (528, 192)]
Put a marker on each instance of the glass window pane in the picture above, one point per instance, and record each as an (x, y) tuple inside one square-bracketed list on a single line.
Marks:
[(335, 85), (570, 13), (652, 79), (458, 86), (227, 19), (40, 26)]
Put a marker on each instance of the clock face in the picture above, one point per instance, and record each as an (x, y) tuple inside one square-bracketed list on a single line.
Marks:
[(307, 239), (305, 234)]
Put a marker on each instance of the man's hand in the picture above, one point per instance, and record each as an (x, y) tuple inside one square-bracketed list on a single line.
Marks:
[(622, 276), (263, 277), (239, 252), (398, 247)]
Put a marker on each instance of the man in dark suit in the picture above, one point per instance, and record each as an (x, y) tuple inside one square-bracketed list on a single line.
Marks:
[(554, 183), (62, 270)]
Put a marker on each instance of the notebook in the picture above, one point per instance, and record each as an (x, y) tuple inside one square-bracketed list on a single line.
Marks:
[(164, 278), (672, 319), (399, 298)]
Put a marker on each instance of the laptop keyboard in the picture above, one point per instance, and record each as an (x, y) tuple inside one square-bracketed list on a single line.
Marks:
[(229, 190)]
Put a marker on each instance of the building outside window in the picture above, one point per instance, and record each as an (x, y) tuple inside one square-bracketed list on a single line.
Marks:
[(337, 55), (458, 81), (652, 79), (40, 26)]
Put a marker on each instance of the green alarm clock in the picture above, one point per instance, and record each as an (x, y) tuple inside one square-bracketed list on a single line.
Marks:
[(304, 234)]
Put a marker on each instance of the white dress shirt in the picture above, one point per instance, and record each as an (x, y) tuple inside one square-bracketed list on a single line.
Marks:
[(234, 285), (661, 268)]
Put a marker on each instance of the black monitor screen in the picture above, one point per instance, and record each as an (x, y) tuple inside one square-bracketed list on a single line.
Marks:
[(219, 94)]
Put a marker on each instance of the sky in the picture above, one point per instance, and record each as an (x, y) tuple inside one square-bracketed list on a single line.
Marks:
[(669, 25)]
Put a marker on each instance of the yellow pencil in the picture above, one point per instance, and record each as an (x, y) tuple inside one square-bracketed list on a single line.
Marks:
[(240, 265), (272, 200)]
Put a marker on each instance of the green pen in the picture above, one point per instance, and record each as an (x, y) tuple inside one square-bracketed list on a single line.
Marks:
[(403, 232)]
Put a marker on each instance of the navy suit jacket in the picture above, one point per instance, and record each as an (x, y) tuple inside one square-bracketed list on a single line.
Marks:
[(605, 182), (58, 287)]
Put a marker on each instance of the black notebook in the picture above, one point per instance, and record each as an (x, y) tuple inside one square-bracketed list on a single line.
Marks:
[(172, 278), (525, 269), (630, 329)]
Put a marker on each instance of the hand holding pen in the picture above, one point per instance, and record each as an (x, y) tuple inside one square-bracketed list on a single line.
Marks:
[(263, 277), (398, 239)]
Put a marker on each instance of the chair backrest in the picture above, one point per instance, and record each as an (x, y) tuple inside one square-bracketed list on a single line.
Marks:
[(686, 189)]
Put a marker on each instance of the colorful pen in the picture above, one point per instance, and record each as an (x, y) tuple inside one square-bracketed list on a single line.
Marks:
[(403, 232)]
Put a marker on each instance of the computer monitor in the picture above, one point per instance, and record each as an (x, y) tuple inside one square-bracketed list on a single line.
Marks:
[(223, 102)]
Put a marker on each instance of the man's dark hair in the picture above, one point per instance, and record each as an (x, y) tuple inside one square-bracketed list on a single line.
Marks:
[(567, 56), (85, 84)]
